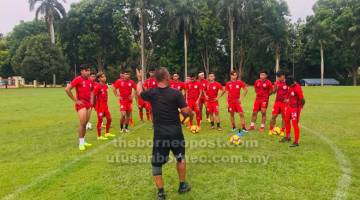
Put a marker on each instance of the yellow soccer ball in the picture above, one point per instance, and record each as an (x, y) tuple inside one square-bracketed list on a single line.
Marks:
[(276, 131), (235, 139), (194, 129)]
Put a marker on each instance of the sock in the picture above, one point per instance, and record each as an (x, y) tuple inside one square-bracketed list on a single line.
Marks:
[(131, 121), (233, 125), (126, 126), (161, 190), (218, 125), (121, 126), (141, 115), (288, 128), (148, 116), (108, 124), (252, 124), (243, 126), (296, 131), (262, 125), (81, 141), (212, 123)]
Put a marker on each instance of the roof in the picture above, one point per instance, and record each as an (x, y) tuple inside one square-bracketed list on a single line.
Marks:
[(317, 81)]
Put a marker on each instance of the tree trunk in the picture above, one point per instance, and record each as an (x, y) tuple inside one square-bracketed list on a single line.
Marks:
[(277, 58), (354, 75), (231, 27), (185, 54), (322, 63), (52, 31), (242, 61), (142, 41), (100, 64)]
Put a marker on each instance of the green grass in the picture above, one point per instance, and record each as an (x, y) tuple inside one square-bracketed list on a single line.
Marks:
[(40, 160)]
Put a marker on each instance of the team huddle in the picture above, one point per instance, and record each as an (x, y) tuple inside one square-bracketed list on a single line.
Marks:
[(199, 92)]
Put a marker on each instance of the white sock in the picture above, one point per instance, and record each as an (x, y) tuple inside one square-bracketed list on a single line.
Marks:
[(262, 126), (252, 124), (81, 141)]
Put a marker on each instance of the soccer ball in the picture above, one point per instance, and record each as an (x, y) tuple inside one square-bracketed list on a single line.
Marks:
[(235, 139), (276, 131), (194, 129)]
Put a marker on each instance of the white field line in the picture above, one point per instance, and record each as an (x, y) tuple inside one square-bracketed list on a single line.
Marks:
[(52, 173), (344, 164)]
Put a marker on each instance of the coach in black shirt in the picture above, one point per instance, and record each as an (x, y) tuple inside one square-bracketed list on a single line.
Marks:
[(168, 135)]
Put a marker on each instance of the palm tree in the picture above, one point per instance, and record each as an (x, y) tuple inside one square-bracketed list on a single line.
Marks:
[(321, 35), (232, 8), (183, 15), (276, 28), (52, 10), (140, 13)]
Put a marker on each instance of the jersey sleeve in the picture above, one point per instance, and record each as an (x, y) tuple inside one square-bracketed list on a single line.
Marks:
[(116, 84), (270, 85), (133, 84), (75, 82), (299, 92), (242, 84)]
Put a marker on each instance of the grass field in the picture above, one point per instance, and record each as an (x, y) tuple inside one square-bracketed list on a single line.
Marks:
[(40, 160)]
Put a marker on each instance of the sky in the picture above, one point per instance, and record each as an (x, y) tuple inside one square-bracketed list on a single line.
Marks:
[(13, 11)]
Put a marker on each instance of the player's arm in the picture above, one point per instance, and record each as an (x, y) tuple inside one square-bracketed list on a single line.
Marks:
[(243, 95), (68, 91), (201, 93), (114, 89), (301, 96), (223, 91), (139, 85)]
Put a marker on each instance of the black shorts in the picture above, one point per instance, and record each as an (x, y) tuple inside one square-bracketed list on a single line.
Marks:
[(163, 146)]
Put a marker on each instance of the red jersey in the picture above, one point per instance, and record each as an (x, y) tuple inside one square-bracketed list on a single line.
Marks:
[(234, 89), (263, 89), (295, 95), (212, 90), (101, 95), (125, 88), (282, 90), (204, 83), (194, 89), (83, 88), (150, 83), (178, 85)]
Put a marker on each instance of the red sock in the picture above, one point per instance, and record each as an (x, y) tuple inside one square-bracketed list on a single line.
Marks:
[(288, 128), (148, 115), (141, 115), (131, 121), (243, 126), (271, 127), (99, 124), (108, 124), (296, 130)]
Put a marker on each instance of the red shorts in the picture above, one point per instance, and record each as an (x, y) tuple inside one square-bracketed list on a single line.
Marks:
[(86, 105), (125, 106), (260, 104), (141, 103), (213, 107), (279, 108), (292, 113), (235, 107), (193, 106), (147, 106), (103, 113)]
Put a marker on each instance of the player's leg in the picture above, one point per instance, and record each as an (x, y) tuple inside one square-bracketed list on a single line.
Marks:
[(160, 154), (141, 114), (122, 120), (201, 108), (100, 116), (198, 116), (294, 122), (88, 124), (83, 119), (232, 120), (108, 124), (256, 109), (263, 119), (178, 150), (287, 118), (215, 110)]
